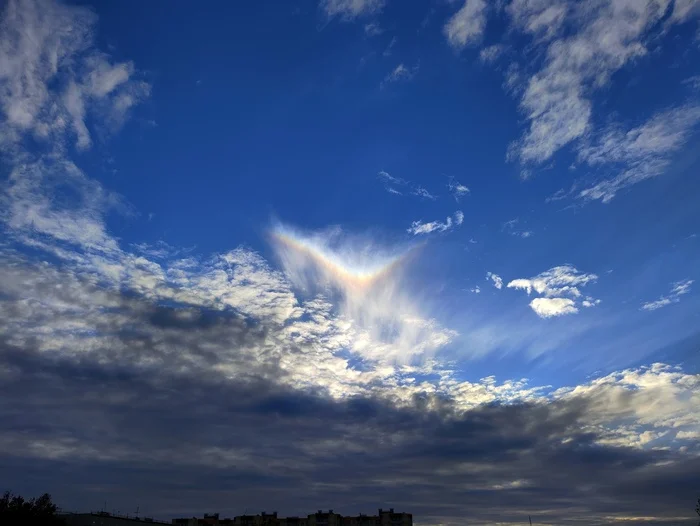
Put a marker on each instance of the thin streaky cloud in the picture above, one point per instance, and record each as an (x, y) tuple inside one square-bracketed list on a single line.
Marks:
[(678, 289), (421, 228)]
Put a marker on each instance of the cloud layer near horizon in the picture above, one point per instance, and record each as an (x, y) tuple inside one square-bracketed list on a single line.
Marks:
[(220, 380)]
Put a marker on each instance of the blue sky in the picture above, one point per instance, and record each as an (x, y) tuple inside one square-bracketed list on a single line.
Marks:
[(247, 130), (475, 201)]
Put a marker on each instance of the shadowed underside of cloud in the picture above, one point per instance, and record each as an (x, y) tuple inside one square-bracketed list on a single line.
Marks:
[(226, 409)]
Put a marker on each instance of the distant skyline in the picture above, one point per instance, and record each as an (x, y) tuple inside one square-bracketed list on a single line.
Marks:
[(437, 255)]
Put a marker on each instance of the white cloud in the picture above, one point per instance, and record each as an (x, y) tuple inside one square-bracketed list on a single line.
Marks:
[(420, 228), (422, 192), (351, 9), (639, 153), (511, 227), (496, 279), (685, 9), (476, 289), (399, 73), (541, 18), (590, 302), (385, 176), (678, 289), (491, 54), (373, 29), (391, 183), (556, 100), (366, 282), (399, 186), (30, 206), (601, 37), (390, 47), (693, 82), (457, 189), (467, 25), (560, 284), (550, 307), (42, 41)]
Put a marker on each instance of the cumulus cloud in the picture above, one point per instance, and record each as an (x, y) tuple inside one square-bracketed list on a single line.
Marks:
[(496, 279), (351, 9), (559, 288), (550, 307), (421, 228), (678, 289), (467, 25)]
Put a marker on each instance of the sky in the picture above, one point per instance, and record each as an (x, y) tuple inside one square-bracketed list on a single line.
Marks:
[(440, 256)]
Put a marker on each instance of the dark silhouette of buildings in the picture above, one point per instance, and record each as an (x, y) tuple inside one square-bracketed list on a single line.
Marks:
[(320, 518), (102, 518)]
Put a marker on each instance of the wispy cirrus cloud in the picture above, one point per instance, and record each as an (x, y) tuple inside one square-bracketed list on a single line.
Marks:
[(421, 228), (400, 73), (678, 289), (399, 186), (422, 192), (512, 227), (457, 189), (559, 290), (639, 153)]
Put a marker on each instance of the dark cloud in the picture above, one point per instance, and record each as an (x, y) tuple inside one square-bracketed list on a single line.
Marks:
[(185, 441), (181, 409)]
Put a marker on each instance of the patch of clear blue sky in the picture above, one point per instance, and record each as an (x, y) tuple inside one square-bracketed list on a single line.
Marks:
[(265, 109)]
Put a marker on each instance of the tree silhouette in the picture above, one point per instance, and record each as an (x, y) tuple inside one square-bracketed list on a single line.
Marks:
[(16, 511)]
